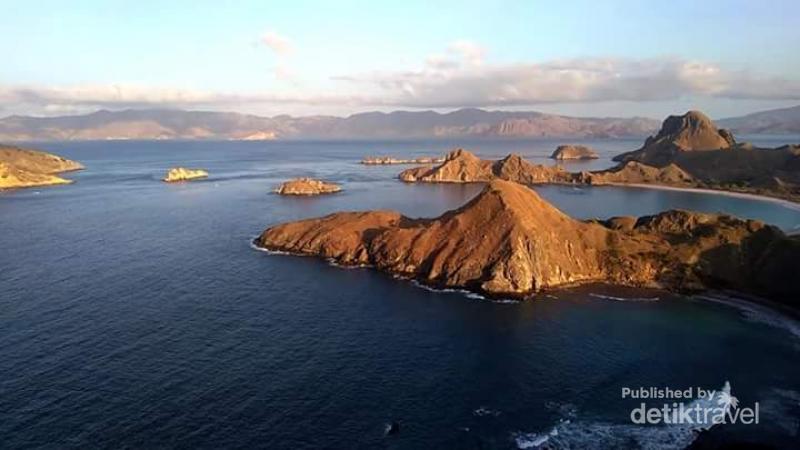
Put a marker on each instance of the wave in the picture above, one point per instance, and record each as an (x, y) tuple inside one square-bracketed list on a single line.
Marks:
[(464, 292), (568, 434), (482, 412), (624, 299), (755, 312)]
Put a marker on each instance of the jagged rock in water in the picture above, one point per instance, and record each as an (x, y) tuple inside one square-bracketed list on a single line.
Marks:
[(388, 160), (306, 186), (20, 168), (509, 241), (566, 152), (183, 174)]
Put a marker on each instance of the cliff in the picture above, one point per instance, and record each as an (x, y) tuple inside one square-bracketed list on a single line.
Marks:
[(509, 241), (306, 186), (20, 168)]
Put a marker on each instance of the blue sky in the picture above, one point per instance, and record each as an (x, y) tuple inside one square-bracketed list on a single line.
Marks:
[(338, 57)]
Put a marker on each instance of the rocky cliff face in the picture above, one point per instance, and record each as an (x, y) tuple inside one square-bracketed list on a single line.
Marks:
[(509, 241), (28, 168), (691, 132)]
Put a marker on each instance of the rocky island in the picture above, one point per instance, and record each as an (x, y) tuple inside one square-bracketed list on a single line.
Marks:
[(307, 186), (571, 152), (508, 241), (388, 160), (688, 152), (21, 168), (183, 174)]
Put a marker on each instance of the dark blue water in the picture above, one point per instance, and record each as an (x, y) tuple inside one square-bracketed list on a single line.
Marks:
[(136, 314)]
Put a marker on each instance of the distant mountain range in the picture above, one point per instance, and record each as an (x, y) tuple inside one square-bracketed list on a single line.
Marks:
[(177, 124), (774, 121)]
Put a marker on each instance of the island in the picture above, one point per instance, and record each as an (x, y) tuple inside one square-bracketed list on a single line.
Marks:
[(689, 152), (23, 168), (509, 242), (572, 152), (307, 186), (389, 160), (178, 174)]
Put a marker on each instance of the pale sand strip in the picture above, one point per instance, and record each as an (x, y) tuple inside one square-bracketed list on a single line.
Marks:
[(785, 203)]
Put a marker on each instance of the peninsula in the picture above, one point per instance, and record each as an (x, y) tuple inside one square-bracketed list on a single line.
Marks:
[(21, 168), (508, 241)]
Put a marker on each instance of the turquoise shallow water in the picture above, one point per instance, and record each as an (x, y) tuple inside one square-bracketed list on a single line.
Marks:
[(137, 314)]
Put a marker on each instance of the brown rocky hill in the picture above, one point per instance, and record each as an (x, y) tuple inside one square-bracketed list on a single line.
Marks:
[(691, 132), (509, 241), (462, 166), (21, 167)]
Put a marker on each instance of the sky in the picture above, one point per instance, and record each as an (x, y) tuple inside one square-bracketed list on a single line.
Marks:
[(583, 58)]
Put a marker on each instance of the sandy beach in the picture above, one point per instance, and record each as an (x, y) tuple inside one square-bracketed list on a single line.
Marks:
[(786, 203)]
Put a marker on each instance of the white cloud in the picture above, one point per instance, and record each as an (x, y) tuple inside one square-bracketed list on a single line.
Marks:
[(469, 51), (277, 43), (464, 79), (461, 76)]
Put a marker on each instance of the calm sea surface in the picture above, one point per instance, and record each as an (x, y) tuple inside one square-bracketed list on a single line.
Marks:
[(136, 314)]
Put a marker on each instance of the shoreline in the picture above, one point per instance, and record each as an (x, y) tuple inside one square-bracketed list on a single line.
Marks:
[(745, 195)]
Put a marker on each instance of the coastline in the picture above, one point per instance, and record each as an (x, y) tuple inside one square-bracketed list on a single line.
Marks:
[(745, 195)]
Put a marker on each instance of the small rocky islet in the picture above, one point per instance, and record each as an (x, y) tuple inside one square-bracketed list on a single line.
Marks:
[(23, 168), (574, 152), (179, 174), (306, 187)]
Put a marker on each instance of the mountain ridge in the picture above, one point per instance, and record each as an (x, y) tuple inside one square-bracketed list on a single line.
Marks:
[(181, 124)]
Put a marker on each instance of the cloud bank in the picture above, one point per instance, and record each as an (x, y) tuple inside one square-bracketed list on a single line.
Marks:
[(460, 76)]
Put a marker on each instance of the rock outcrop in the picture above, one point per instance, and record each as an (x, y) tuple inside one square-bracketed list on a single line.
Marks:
[(20, 168), (633, 172), (568, 152), (388, 160), (462, 166), (183, 174), (306, 186), (508, 241), (691, 132)]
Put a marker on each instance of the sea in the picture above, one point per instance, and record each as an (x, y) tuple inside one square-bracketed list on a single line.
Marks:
[(137, 314)]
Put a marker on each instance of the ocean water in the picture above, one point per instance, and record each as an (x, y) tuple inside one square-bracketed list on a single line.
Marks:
[(137, 314)]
